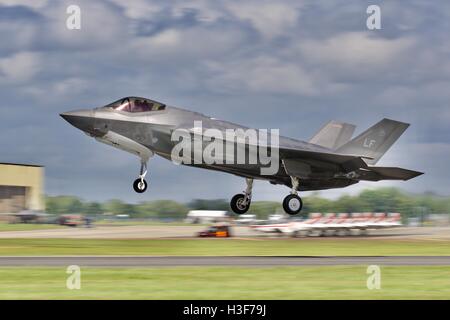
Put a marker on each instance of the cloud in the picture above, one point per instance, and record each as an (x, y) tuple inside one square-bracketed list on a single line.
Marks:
[(356, 53), (262, 74), (166, 39), (19, 68), (269, 18), (139, 9), (288, 64), (102, 27), (36, 4)]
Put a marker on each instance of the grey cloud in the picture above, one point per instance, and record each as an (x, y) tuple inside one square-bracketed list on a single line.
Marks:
[(318, 65)]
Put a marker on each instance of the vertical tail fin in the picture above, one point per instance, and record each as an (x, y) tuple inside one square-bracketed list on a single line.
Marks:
[(333, 134), (375, 141)]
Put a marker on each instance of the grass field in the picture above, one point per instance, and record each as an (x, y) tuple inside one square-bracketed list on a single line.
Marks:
[(27, 226), (224, 247), (334, 282)]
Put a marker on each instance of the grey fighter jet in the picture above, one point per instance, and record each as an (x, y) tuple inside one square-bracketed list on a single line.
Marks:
[(330, 159)]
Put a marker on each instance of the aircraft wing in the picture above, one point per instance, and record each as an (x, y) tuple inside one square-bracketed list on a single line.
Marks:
[(298, 161), (295, 157), (294, 153), (335, 158)]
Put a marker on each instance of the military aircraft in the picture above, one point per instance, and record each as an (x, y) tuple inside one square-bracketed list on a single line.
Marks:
[(330, 159), (330, 223)]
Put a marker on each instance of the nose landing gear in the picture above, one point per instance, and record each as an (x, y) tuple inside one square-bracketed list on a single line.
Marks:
[(140, 185)]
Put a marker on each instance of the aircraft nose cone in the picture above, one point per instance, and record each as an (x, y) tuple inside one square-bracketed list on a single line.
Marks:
[(81, 119)]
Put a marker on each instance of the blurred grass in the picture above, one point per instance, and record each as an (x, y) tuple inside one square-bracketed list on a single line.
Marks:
[(27, 226), (325, 282), (224, 247)]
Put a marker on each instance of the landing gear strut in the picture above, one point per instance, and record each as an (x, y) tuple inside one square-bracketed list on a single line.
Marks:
[(293, 204), (240, 203), (140, 185)]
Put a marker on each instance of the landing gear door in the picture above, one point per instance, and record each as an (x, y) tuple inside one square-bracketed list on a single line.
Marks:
[(296, 168)]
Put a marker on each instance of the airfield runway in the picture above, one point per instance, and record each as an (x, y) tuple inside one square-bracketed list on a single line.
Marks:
[(147, 261), (170, 231), (188, 232)]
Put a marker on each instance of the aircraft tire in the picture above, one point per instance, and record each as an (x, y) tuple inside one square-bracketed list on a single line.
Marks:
[(237, 206), (363, 232), (296, 234), (292, 204), (138, 187)]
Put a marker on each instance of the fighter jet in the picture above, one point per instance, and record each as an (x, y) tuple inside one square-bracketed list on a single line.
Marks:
[(330, 159)]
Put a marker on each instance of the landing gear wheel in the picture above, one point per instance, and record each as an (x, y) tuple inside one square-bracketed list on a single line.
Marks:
[(239, 204), (140, 185), (292, 204)]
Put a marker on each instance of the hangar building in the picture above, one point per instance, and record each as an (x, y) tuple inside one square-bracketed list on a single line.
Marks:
[(21, 187)]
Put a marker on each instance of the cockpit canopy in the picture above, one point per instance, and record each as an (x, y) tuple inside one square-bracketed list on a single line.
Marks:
[(136, 104)]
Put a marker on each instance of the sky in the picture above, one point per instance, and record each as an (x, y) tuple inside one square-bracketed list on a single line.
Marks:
[(291, 65)]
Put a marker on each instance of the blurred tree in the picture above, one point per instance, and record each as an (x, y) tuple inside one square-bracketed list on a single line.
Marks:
[(385, 200), (262, 209), (204, 204), (116, 207), (51, 205), (168, 209), (92, 208), (64, 205), (370, 200), (146, 210), (314, 203), (348, 204)]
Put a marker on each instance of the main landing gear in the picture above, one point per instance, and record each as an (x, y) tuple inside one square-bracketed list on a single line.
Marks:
[(240, 203), (293, 204), (140, 185)]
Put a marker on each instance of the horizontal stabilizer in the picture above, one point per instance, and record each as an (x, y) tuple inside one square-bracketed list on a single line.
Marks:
[(333, 134), (387, 173)]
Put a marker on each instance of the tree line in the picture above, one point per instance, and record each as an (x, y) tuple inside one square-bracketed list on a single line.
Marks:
[(371, 200)]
